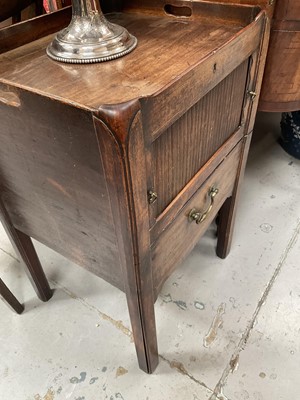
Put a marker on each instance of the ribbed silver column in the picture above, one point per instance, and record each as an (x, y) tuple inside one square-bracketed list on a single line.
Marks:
[(90, 37)]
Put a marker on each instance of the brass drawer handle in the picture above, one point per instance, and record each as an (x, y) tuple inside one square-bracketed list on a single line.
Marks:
[(199, 216)]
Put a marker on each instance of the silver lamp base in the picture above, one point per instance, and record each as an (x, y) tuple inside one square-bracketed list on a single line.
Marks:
[(90, 38)]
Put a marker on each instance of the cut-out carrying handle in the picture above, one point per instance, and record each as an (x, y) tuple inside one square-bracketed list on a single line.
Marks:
[(178, 10)]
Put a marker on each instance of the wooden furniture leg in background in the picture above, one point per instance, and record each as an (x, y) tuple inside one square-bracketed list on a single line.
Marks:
[(225, 227), (10, 299), (26, 252)]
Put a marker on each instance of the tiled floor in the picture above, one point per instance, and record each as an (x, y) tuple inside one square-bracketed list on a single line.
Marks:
[(227, 329)]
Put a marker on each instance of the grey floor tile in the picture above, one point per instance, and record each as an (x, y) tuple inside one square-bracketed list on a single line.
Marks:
[(269, 365)]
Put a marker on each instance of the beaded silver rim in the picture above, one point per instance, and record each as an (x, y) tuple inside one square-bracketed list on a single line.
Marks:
[(93, 60)]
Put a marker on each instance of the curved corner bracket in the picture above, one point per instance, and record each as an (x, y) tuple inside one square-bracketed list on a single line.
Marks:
[(119, 118)]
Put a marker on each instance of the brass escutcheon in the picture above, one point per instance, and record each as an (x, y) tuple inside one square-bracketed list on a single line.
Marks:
[(252, 95), (152, 196)]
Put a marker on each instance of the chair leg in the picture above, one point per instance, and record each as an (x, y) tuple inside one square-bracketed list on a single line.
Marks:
[(10, 299), (26, 252)]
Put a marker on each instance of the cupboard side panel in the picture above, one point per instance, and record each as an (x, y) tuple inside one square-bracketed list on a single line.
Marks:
[(53, 183)]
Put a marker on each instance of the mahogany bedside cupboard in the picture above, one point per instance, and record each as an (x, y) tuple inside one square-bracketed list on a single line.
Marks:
[(122, 166)]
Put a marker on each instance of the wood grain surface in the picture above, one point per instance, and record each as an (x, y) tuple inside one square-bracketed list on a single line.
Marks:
[(281, 84), (146, 71), (189, 143)]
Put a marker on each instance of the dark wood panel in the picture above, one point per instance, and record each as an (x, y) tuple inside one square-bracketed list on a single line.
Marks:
[(281, 85), (52, 177), (188, 144), (33, 29), (287, 10)]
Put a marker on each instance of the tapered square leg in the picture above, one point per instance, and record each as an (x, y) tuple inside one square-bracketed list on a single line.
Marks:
[(225, 227), (141, 310), (26, 252), (10, 299), (228, 210)]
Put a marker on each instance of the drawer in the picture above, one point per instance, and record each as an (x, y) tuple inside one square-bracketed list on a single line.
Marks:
[(184, 232)]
